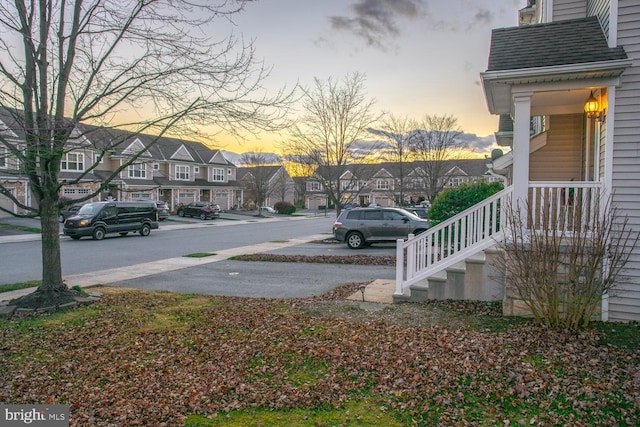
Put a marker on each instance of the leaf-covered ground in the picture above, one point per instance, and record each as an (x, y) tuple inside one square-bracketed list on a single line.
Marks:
[(154, 358), (389, 260)]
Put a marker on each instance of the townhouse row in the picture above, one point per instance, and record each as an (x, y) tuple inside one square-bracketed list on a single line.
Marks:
[(392, 183), (179, 171)]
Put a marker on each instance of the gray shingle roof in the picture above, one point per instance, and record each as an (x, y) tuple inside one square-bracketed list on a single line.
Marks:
[(557, 43)]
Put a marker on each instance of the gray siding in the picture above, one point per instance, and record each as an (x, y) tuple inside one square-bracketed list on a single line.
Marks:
[(569, 9), (625, 303), (600, 8)]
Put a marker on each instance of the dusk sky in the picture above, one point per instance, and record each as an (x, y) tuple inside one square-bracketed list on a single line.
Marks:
[(419, 56)]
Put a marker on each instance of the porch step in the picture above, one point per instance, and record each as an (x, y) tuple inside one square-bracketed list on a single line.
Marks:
[(475, 278)]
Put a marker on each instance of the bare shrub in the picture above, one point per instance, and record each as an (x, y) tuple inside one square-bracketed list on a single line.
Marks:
[(562, 272)]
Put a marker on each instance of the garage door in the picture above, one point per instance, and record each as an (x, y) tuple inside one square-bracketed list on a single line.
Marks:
[(6, 203), (222, 199), (186, 198)]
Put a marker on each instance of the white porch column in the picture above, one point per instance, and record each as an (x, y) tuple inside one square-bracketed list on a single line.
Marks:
[(521, 137)]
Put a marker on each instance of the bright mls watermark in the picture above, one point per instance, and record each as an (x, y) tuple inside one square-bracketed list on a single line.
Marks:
[(34, 415)]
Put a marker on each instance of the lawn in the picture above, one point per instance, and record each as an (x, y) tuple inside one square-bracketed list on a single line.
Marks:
[(158, 358)]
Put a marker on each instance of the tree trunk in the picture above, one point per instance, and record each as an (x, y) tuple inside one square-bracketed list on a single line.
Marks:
[(51, 261), (52, 293)]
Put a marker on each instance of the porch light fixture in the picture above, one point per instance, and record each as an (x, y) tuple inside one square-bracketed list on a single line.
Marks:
[(592, 107)]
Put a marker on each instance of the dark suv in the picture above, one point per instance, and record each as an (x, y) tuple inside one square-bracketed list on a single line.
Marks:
[(361, 227), (202, 210)]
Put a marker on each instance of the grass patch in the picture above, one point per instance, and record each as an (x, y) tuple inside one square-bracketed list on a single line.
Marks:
[(620, 335), (364, 412), (200, 255), (21, 285), (21, 228), (79, 289)]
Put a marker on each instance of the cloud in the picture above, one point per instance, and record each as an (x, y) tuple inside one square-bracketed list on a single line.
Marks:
[(376, 21), (238, 158), (481, 18), (484, 16), (477, 144)]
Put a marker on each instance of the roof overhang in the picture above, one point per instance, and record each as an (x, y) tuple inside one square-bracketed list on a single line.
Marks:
[(499, 86), (502, 164)]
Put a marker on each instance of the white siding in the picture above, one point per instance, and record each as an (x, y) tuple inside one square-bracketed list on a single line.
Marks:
[(602, 149), (569, 9), (625, 303), (600, 8)]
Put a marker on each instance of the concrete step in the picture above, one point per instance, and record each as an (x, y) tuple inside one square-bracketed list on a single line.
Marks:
[(472, 279)]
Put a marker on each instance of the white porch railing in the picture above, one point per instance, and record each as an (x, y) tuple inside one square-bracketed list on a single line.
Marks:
[(561, 205), (449, 242)]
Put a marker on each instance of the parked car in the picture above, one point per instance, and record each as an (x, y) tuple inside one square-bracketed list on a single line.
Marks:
[(420, 211), (202, 210), (69, 212), (163, 210), (351, 206), (362, 227), (101, 218), (267, 209)]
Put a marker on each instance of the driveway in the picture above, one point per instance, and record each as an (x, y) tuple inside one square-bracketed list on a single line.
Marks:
[(260, 279)]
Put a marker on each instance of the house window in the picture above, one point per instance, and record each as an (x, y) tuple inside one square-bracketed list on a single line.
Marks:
[(3, 157), (71, 191), (314, 186), (455, 181), (417, 183), (156, 166), (196, 170), (228, 171), (217, 174), (73, 162), (140, 196), (182, 172), (97, 159), (349, 186), (137, 170), (382, 184)]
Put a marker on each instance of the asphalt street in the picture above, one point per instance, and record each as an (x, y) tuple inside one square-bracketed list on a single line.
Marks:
[(221, 276)]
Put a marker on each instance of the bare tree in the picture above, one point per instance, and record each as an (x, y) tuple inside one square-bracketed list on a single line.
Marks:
[(396, 131), (283, 185), (259, 177), (434, 143), (329, 136), (88, 62), (562, 262)]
